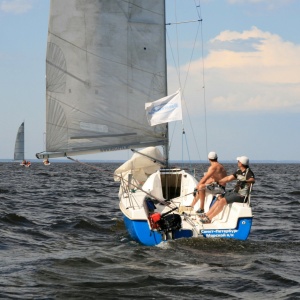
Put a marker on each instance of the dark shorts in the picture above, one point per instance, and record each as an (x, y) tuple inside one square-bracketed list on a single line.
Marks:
[(214, 189), (232, 196)]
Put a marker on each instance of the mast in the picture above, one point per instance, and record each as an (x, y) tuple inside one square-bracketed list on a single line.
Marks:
[(166, 145)]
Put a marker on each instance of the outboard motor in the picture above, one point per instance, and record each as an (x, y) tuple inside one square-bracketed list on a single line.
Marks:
[(169, 223)]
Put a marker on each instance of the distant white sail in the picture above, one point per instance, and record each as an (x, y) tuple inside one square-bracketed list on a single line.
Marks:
[(105, 60), (19, 144), (164, 110)]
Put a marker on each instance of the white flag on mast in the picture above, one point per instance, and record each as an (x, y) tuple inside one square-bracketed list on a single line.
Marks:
[(164, 110)]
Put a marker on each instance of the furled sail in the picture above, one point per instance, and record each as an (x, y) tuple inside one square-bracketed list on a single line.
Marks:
[(105, 60), (19, 144)]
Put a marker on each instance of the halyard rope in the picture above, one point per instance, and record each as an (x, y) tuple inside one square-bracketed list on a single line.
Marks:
[(126, 181)]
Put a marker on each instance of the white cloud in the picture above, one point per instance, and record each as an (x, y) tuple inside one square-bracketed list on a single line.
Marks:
[(264, 76), (16, 6)]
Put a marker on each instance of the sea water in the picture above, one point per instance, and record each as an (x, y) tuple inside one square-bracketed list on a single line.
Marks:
[(63, 237)]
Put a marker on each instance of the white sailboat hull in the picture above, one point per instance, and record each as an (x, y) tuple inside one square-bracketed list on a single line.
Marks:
[(105, 62), (233, 222)]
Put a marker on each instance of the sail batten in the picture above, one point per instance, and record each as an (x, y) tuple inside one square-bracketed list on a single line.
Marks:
[(100, 136), (74, 152), (105, 60)]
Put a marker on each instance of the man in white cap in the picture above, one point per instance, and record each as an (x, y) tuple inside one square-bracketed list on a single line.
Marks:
[(245, 177), (214, 173)]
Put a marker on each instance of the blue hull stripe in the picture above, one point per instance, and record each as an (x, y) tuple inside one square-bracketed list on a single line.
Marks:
[(139, 231), (241, 232)]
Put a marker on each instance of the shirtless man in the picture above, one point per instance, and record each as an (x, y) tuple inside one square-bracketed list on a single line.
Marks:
[(214, 173), (245, 179)]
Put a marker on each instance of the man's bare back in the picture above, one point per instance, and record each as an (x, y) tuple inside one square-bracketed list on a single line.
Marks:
[(214, 173), (217, 172)]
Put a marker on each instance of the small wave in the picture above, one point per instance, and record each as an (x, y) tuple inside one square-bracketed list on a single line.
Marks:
[(4, 191), (76, 262), (294, 193), (43, 174), (16, 219), (88, 225), (283, 281), (118, 226), (216, 245), (295, 202), (81, 224)]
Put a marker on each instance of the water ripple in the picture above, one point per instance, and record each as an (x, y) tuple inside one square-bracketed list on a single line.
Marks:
[(63, 237)]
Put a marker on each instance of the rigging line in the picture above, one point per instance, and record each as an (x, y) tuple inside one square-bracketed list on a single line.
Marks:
[(204, 94), (137, 187), (171, 139), (182, 147), (161, 163), (172, 136), (177, 48), (184, 98), (179, 75), (184, 142), (183, 22), (190, 221), (176, 69), (198, 6), (122, 179), (177, 44), (178, 62), (203, 75), (185, 82), (188, 151), (202, 55)]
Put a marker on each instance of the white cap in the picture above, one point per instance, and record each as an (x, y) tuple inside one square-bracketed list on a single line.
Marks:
[(244, 160), (212, 155)]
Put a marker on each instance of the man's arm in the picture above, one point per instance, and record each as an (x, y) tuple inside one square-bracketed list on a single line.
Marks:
[(226, 179), (250, 177), (250, 180)]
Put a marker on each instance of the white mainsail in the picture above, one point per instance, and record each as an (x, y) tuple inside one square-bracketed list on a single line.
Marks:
[(19, 144), (105, 60)]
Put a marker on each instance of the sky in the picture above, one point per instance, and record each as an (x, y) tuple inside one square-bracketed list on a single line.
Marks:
[(241, 95)]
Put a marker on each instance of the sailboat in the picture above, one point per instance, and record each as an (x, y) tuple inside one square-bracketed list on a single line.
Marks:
[(106, 61), (19, 154), (46, 162)]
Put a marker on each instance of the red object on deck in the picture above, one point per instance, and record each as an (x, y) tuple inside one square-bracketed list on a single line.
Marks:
[(154, 220)]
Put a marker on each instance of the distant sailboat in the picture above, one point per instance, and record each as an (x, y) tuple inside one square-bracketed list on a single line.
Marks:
[(19, 144), (19, 153), (46, 162), (106, 63)]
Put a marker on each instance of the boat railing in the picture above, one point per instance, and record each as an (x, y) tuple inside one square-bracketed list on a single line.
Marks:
[(247, 199)]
